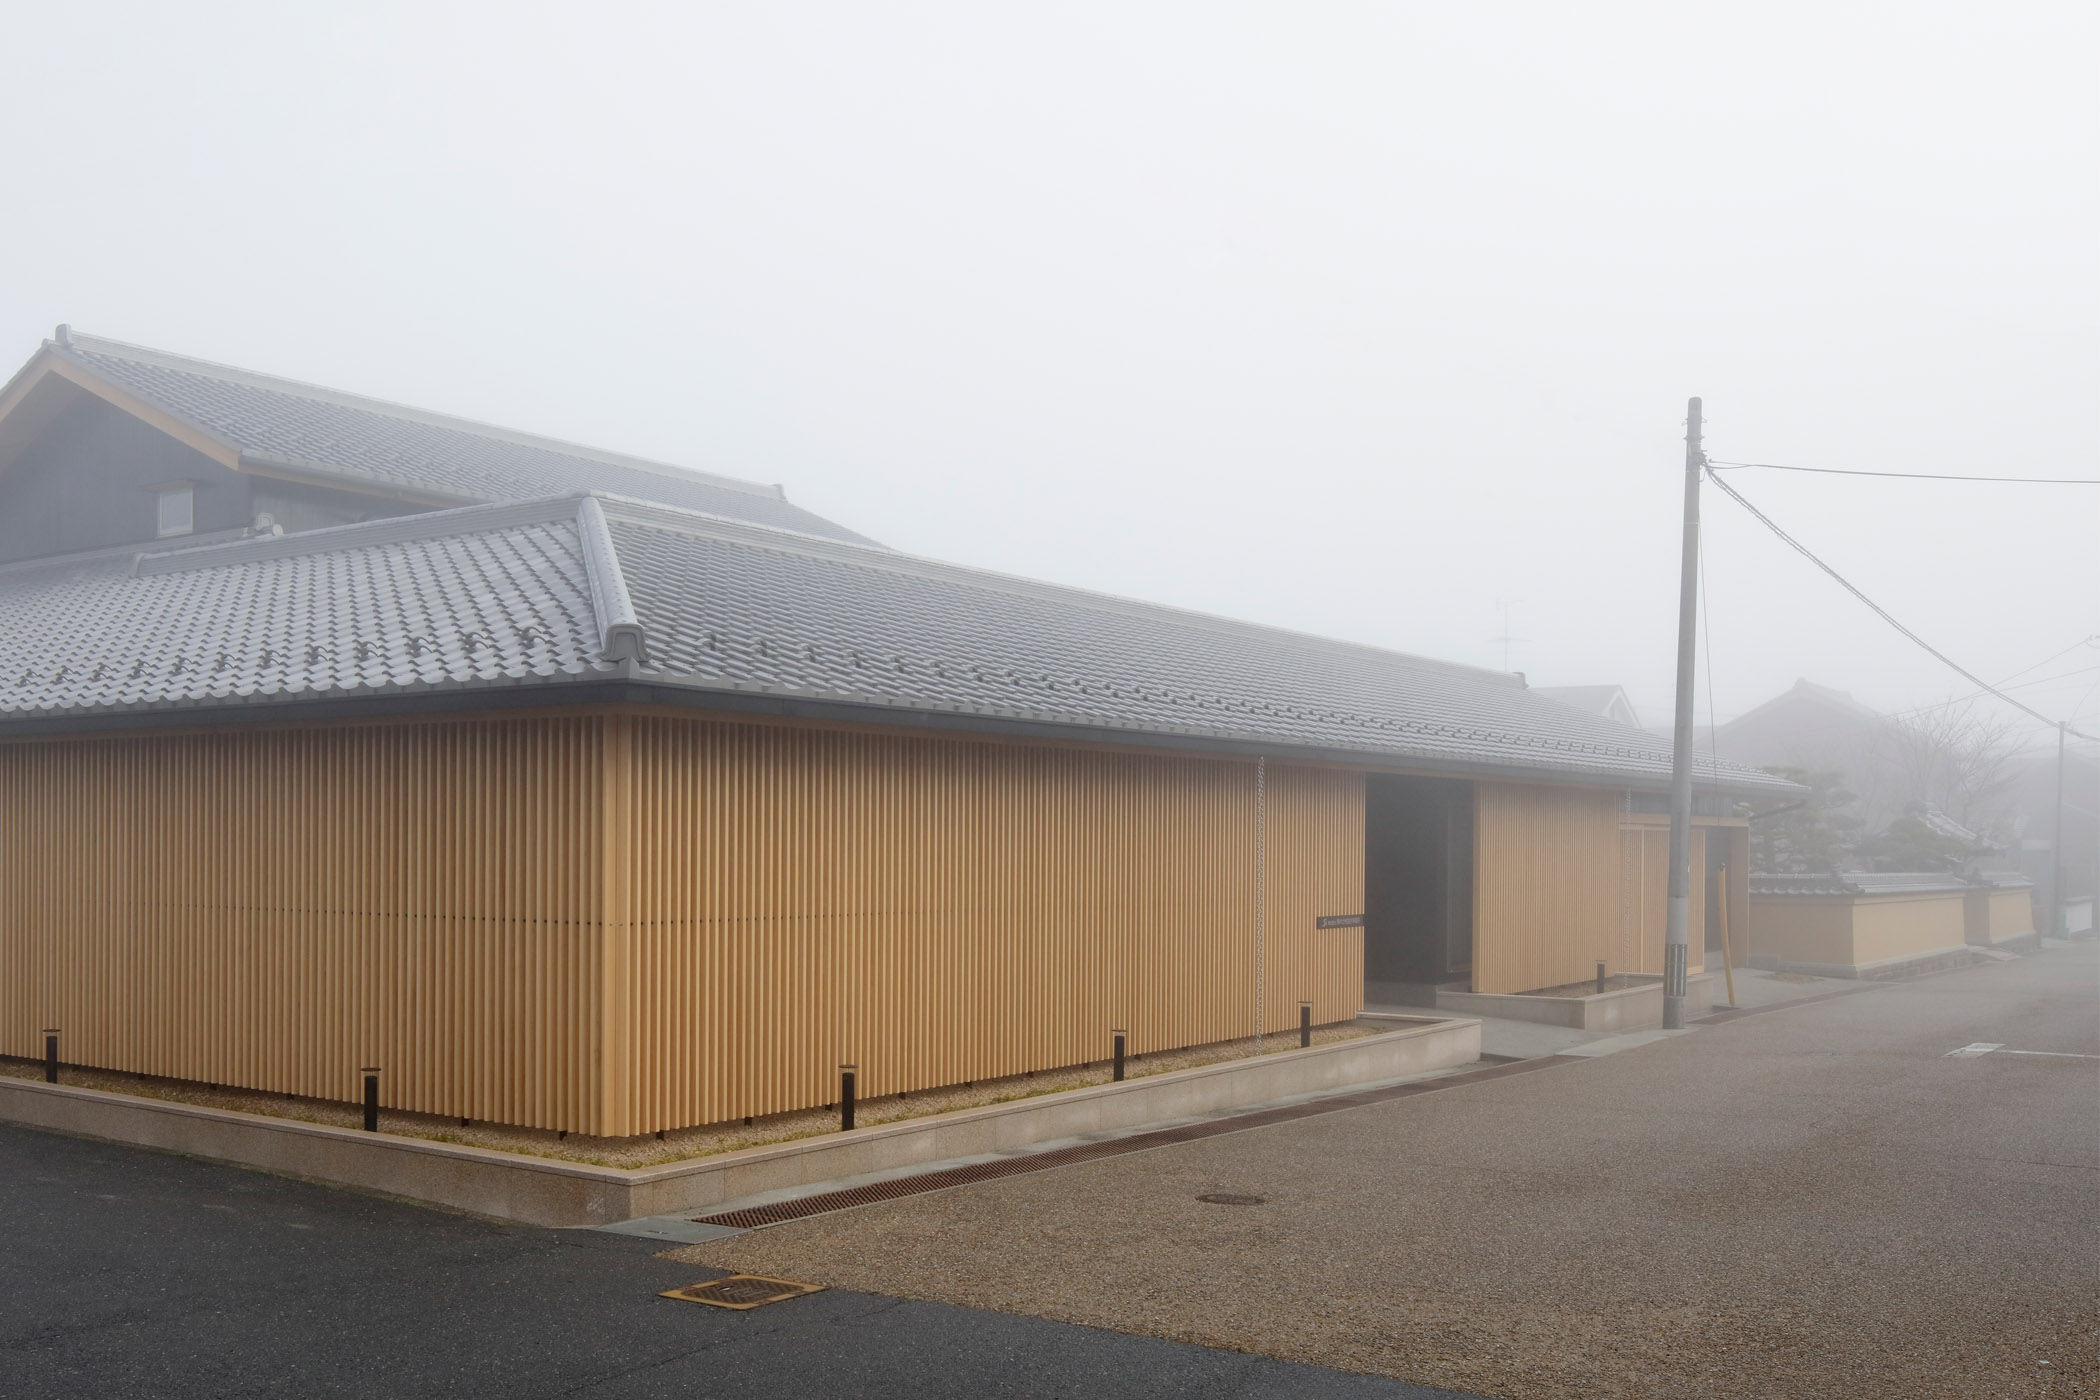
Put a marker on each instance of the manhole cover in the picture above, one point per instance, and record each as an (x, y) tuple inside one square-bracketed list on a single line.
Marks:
[(1230, 1198), (741, 1291)]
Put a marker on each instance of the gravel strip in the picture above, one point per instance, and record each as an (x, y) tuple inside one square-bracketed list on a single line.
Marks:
[(1813, 1203), (682, 1144)]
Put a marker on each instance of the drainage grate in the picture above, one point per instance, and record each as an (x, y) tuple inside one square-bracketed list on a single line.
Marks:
[(780, 1211), (741, 1291), (1230, 1198)]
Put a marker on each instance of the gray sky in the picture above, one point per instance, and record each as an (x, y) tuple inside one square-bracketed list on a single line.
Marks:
[(1347, 318)]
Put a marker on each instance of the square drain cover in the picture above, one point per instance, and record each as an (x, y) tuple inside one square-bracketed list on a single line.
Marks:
[(741, 1291)]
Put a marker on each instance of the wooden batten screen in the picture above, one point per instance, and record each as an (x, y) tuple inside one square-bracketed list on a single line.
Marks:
[(614, 923), (1564, 879), (936, 911), (1645, 854), (1546, 884), (276, 908)]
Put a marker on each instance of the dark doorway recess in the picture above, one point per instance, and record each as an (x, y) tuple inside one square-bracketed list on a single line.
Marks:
[(1418, 887)]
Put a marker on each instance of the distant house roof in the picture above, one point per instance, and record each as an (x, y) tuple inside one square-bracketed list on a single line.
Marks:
[(1939, 823), (1818, 697), (1611, 701), (1858, 882), (279, 426), (521, 600)]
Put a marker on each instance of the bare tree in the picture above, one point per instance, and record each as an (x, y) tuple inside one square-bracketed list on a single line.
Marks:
[(1957, 758)]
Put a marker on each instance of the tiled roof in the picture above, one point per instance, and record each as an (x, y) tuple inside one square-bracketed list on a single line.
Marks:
[(1588, 697), (1858, 882), (2002, 879), (359, 609), (563, 589), (367, 442), (1941, 824)]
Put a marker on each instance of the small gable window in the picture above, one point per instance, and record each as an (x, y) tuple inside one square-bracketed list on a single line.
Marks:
[(178, 510)]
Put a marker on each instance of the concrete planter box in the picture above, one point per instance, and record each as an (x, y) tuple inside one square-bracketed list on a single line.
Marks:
[(1633, 1008), (545, 1191)]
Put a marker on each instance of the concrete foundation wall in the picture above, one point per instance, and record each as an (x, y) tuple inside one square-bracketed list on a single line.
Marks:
[(542, 1191)]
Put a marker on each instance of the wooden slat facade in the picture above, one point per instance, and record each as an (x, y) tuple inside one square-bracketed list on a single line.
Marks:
[(1546, 884), (1565, 878), (276, 908), (619, 922)]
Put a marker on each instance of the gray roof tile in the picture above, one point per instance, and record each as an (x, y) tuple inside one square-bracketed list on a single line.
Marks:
[(331, 613), (726, 605), (367, 441), (505, 595)]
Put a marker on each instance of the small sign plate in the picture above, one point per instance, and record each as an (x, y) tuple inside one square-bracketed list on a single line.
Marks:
[(1340, 921)]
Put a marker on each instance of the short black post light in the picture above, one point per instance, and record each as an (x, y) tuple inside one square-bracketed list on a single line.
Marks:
[(846, 1098), (1600, 977), (1305, 1025), (371, 1074), (51, 1055), (1116, 1076)]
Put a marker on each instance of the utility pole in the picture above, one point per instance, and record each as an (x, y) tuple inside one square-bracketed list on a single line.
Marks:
[(1677, 921), (2057, 921)]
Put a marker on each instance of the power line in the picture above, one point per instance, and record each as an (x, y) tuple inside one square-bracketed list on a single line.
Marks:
[(2006, 684), (2092, 641), (1909, 476), (1946, 660)]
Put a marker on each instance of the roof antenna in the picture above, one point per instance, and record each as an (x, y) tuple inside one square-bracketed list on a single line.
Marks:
[(65, 335)]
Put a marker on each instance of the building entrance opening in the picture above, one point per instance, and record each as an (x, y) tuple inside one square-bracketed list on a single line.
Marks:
[(1418, 888)]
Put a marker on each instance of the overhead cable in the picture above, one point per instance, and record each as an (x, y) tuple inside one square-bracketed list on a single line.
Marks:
[(2002, 685), (1912, 476), (1803, 550)]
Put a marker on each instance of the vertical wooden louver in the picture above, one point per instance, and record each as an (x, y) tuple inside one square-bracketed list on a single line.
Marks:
[(615, 923), (1565, 879), (935, 911), (275, 908)]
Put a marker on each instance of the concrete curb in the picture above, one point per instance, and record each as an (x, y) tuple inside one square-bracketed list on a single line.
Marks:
[(544, 1191)]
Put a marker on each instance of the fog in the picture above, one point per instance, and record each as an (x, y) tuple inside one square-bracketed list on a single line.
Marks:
[(1353, 319)]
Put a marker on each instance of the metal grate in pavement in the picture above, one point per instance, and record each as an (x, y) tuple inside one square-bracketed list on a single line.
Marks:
[(778, 1211), (741, 1291)]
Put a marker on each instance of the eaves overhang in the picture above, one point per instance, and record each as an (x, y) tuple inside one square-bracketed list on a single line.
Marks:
[(612, 687)]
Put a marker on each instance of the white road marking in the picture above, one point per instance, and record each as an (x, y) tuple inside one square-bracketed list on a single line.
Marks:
[(1985, 1047)]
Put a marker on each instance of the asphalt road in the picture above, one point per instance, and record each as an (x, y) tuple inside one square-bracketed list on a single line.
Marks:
[(131, 1273), (1814, 1201)]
